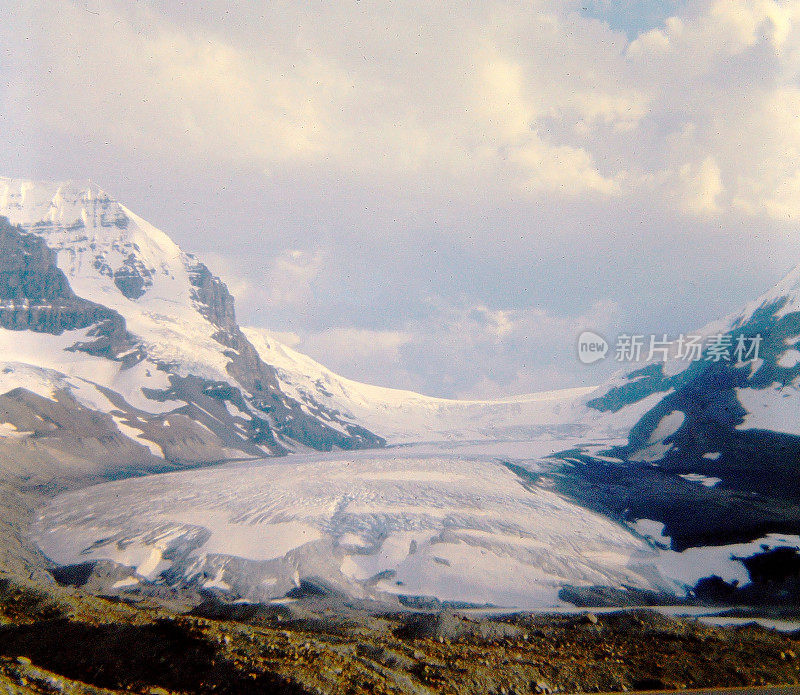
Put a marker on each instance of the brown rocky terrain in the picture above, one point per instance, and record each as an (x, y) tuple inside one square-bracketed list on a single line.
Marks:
[(62, 640)]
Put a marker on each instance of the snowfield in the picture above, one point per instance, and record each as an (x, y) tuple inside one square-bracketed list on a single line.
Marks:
[(404, 416)]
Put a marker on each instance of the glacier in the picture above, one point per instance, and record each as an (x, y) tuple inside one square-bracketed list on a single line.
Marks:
[(422, 525), (440, 523)]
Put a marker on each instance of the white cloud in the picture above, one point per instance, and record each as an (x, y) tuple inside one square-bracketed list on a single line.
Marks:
[(723, 77), (701, 186), (519, 97), (291, 276), (361, 343), (166, 88), (369, 355), (143, 84), (470, 352)]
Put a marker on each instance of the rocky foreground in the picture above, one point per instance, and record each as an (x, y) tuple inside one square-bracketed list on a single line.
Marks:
[(63, 640)]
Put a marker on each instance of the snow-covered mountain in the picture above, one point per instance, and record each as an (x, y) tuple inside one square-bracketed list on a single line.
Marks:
[(120, 351), (713, 453), (106, 321)]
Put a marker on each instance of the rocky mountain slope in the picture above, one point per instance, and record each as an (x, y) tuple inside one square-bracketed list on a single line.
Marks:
[(121, 353), (713, 454)]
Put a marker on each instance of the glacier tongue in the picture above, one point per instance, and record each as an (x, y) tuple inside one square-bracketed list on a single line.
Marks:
[(458, 527)]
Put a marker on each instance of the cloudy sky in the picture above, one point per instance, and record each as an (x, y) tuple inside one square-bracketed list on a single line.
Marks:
[(437, 196)]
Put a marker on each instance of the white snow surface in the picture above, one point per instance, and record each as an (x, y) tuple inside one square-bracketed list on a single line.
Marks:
[(691, 565), (653, 531), (667, 426), (704, 480), (40, 363), (444, 521), (425, 522), (776, 408), (656, 448), (789, 359)]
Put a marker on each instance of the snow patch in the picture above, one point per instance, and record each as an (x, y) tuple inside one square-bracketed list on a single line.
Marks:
[(789, 359), (9, 431), (689, 566), (127, 583), (653, 531), (667, 426), (776, 408), (137, 436), (704, 480)]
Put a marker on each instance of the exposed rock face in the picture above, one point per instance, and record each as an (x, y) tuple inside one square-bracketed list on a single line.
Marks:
[(259, 379), (59, 442), (28, 269), (714, 440), (212, 296), (315, 424), (133, 278), (36, 296), (64, 440)]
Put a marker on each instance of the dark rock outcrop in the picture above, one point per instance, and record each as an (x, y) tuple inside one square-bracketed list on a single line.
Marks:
[(211, 295), (288, 417), (36, 296), (132, 278)]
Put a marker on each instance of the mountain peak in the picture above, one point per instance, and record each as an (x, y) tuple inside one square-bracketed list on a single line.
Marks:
[(29, 201), (93, 233), (177, 316), (65, 212)]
